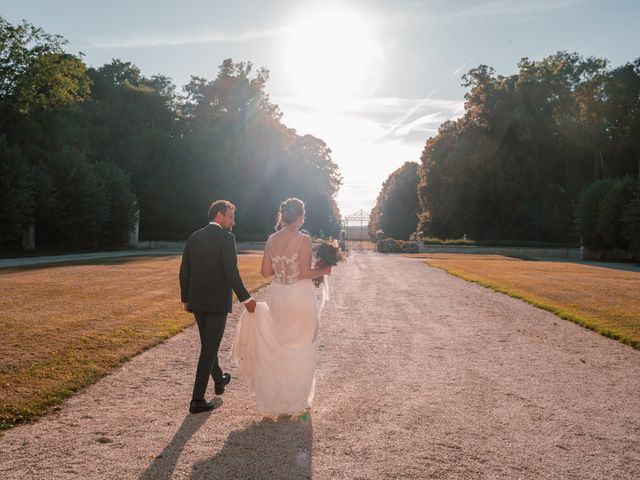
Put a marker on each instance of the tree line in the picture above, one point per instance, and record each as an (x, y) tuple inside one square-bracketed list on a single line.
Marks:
[(397, 207), (85, 152), (514, 165)]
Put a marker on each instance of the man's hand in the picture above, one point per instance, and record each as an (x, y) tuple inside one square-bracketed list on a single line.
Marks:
[(250, 305), (185, 307)]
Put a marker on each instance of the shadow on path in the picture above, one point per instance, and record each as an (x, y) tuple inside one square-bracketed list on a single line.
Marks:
[(269, 449), (164, 464)]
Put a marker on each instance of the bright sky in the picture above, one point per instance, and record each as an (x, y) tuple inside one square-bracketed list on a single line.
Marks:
[(374, 79)]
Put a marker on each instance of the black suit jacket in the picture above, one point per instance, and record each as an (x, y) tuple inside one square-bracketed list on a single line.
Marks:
[(209, 271)]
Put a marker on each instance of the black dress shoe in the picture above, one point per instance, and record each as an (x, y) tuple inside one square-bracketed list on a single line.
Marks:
[(198, 406), (219, 387)]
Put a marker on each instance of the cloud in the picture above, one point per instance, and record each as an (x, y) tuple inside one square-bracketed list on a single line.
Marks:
[(417, 13), (457, 71), (188, 39), (420, 113), (401, 107), (435, 119), (510, 8), (375, 120)]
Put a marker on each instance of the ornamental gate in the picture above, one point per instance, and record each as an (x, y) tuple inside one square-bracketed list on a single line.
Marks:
[(356, 231)]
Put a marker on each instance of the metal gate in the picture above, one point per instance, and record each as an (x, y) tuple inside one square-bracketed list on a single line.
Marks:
[(356, 231)]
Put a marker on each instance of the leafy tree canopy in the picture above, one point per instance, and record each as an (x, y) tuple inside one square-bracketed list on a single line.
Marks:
[(396, 210), (513, 166)]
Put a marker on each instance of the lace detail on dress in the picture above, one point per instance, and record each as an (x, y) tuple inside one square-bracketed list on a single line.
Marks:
[(286, 267)]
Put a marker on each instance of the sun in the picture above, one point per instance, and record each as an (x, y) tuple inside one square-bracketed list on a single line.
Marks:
[(330, 55)]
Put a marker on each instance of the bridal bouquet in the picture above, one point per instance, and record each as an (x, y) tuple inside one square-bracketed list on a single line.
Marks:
[(326, 252)]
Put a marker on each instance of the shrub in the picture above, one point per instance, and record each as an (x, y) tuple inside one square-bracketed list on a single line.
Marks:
[(448, 241), (16, 192), (588, 212), (390, 245), (631, 224), (73, 204), (409, 247), (609, 225), (122, 203)]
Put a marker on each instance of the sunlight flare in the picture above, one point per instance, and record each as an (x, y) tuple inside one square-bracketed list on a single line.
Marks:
[(330, 55)]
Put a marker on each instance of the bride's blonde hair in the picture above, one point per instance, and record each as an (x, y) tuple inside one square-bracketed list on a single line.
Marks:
[(290, 210)]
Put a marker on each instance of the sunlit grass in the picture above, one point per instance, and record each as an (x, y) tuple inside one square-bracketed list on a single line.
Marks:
[(605, 300), (64, 327)]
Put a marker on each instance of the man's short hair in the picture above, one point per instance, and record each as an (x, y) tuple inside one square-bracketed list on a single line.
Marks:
[(220, 206)]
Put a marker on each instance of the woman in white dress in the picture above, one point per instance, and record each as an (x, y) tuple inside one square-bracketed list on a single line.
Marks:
[(276, 346)]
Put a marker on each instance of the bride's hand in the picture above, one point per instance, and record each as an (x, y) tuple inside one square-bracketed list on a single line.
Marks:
[(327, 270)]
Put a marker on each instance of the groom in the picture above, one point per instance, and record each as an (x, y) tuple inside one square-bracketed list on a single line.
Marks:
[(208, 273)]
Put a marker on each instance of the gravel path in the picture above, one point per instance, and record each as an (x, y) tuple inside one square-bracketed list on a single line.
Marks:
[(446, 380)]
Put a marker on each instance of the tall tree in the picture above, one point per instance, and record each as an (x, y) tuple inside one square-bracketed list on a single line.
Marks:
[(84, 148), (16, 192), (514, 165), (396, 210), (241, 151), (133, 124), (40, 88), (36, 73)]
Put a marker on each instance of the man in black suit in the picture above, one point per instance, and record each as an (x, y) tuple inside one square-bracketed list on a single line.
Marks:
[(208, 274)]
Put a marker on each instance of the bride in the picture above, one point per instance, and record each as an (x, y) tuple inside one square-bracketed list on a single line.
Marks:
[(276, 345)]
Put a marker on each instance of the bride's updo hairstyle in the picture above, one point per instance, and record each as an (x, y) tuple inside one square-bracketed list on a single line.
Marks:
[(290, 210)]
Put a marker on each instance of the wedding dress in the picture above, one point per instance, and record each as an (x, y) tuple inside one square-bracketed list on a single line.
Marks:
[(276, 346)]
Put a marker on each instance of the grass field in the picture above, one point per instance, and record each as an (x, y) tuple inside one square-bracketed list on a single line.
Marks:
[(606, 300), (64, 327)]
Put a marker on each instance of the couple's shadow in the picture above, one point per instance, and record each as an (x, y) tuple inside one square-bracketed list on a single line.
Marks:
[(269, 449)]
